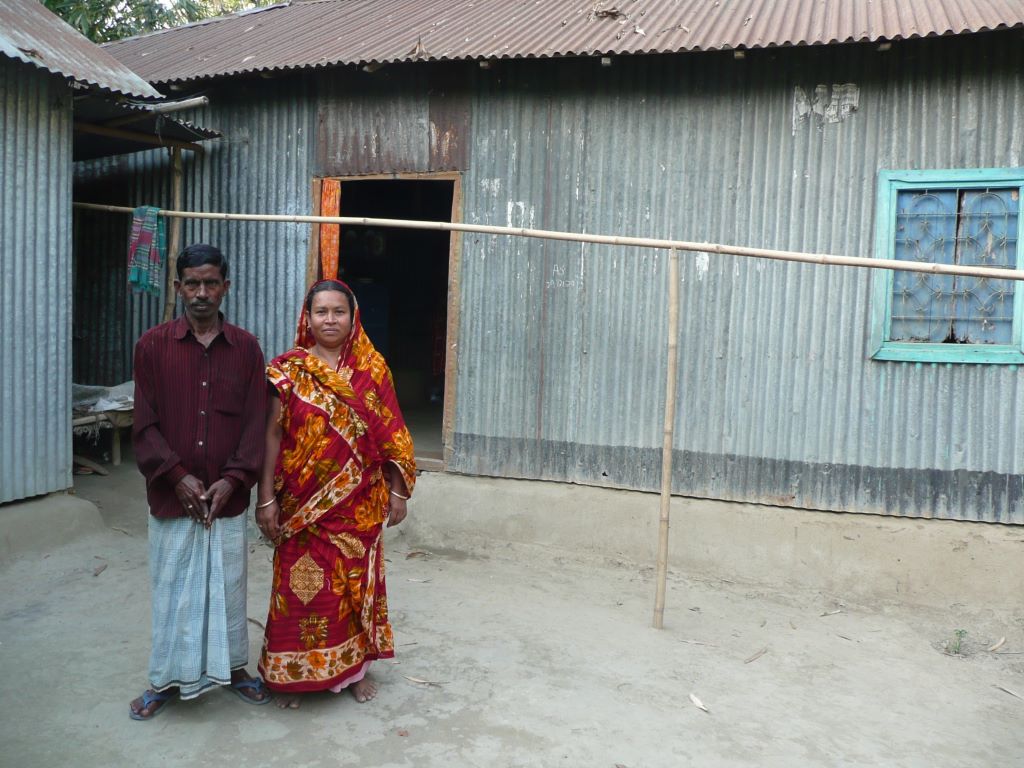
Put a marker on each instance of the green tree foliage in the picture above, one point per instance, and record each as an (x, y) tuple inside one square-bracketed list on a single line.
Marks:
[(224, 7), (105, 20)]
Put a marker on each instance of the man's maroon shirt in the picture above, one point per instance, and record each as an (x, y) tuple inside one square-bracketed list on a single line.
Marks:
[(198, 411)]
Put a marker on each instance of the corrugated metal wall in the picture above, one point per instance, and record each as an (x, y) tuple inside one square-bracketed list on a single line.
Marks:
[(261, 165), (277, 135), (408, 120), (562, 346), (108, 316), (35, 291)]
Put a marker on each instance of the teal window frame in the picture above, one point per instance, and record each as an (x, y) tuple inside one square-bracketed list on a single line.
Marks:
[(890, 184)]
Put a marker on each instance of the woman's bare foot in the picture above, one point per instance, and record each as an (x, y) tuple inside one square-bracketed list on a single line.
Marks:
[(364, 690), (287, 702)]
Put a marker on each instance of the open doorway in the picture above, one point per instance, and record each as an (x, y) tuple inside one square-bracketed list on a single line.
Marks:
[(400, 278)]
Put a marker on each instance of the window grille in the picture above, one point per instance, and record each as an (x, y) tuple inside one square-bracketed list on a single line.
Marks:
[(948, 217)]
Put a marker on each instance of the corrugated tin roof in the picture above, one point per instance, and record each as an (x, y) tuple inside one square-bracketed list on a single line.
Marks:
[(317, 33), (136, 128), (31, 34)]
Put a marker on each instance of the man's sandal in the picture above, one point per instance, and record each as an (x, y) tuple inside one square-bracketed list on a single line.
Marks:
[(253, 684), (150, 698)]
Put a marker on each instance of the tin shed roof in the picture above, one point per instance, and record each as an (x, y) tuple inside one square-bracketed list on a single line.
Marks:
[(104, 127), (30, 33), (317, 33)]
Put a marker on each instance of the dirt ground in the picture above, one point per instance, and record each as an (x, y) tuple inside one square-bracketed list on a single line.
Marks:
[(515, 656)]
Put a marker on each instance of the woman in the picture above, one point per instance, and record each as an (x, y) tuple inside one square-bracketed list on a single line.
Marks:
[(339, 462)]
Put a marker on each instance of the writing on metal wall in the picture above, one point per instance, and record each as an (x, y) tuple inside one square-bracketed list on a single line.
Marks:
[(559, 279)]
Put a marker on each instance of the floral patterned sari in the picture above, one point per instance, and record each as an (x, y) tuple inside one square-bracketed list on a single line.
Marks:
[(342, 432)]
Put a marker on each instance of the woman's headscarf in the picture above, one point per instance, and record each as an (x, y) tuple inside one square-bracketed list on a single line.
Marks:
[(358, 352), (304, 334), (371, 378)]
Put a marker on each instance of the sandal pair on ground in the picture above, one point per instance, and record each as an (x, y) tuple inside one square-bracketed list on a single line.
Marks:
[(237, 687)]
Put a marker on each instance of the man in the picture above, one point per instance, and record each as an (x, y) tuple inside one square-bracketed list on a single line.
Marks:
[(200, 410)]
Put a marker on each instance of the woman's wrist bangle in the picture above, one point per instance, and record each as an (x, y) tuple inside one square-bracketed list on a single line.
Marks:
[(396, 493), (265, 504)]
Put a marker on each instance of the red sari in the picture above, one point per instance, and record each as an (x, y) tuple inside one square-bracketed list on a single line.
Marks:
[(342, 433)]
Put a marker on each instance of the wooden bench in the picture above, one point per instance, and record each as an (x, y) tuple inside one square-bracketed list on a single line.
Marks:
[(117, 421)]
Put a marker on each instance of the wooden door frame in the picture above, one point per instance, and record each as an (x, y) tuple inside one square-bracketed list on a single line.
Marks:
[(454, 291)]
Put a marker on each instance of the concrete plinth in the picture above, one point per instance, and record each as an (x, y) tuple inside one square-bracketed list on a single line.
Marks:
[(862, 557), (44, 524)]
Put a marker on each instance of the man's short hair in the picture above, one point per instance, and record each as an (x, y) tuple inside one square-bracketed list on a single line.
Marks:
[(197, 255)]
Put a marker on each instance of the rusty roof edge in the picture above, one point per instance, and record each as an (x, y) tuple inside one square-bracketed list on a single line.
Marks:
[(653, 51), (149, 93), (33, 35)]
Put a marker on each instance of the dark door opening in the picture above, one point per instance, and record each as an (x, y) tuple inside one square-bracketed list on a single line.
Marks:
[(400, 278)]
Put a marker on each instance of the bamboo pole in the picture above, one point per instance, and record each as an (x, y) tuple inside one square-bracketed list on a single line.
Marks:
[(166, 107), (668, 431), (639, 242), (163, 108), (174, 241)]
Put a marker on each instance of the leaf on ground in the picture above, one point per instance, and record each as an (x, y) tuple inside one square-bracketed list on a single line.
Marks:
[(792, 624), (756, 656), (1007, 690), (417, 553), (996, 646), (257, 623), (699, 704), (421, 681), (99, 569)]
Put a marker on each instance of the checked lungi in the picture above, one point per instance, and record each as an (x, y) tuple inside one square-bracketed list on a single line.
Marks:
[(198, 580)]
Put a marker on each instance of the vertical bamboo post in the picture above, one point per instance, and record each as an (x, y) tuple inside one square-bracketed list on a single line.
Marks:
[(174, 239), (667, 434), (313, 254)]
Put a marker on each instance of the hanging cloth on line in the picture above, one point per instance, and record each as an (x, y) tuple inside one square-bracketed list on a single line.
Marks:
[(147, 251), (330, 234)]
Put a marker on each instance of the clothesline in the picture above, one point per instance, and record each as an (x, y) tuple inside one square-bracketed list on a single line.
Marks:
[(673, 246), (639, 242)]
